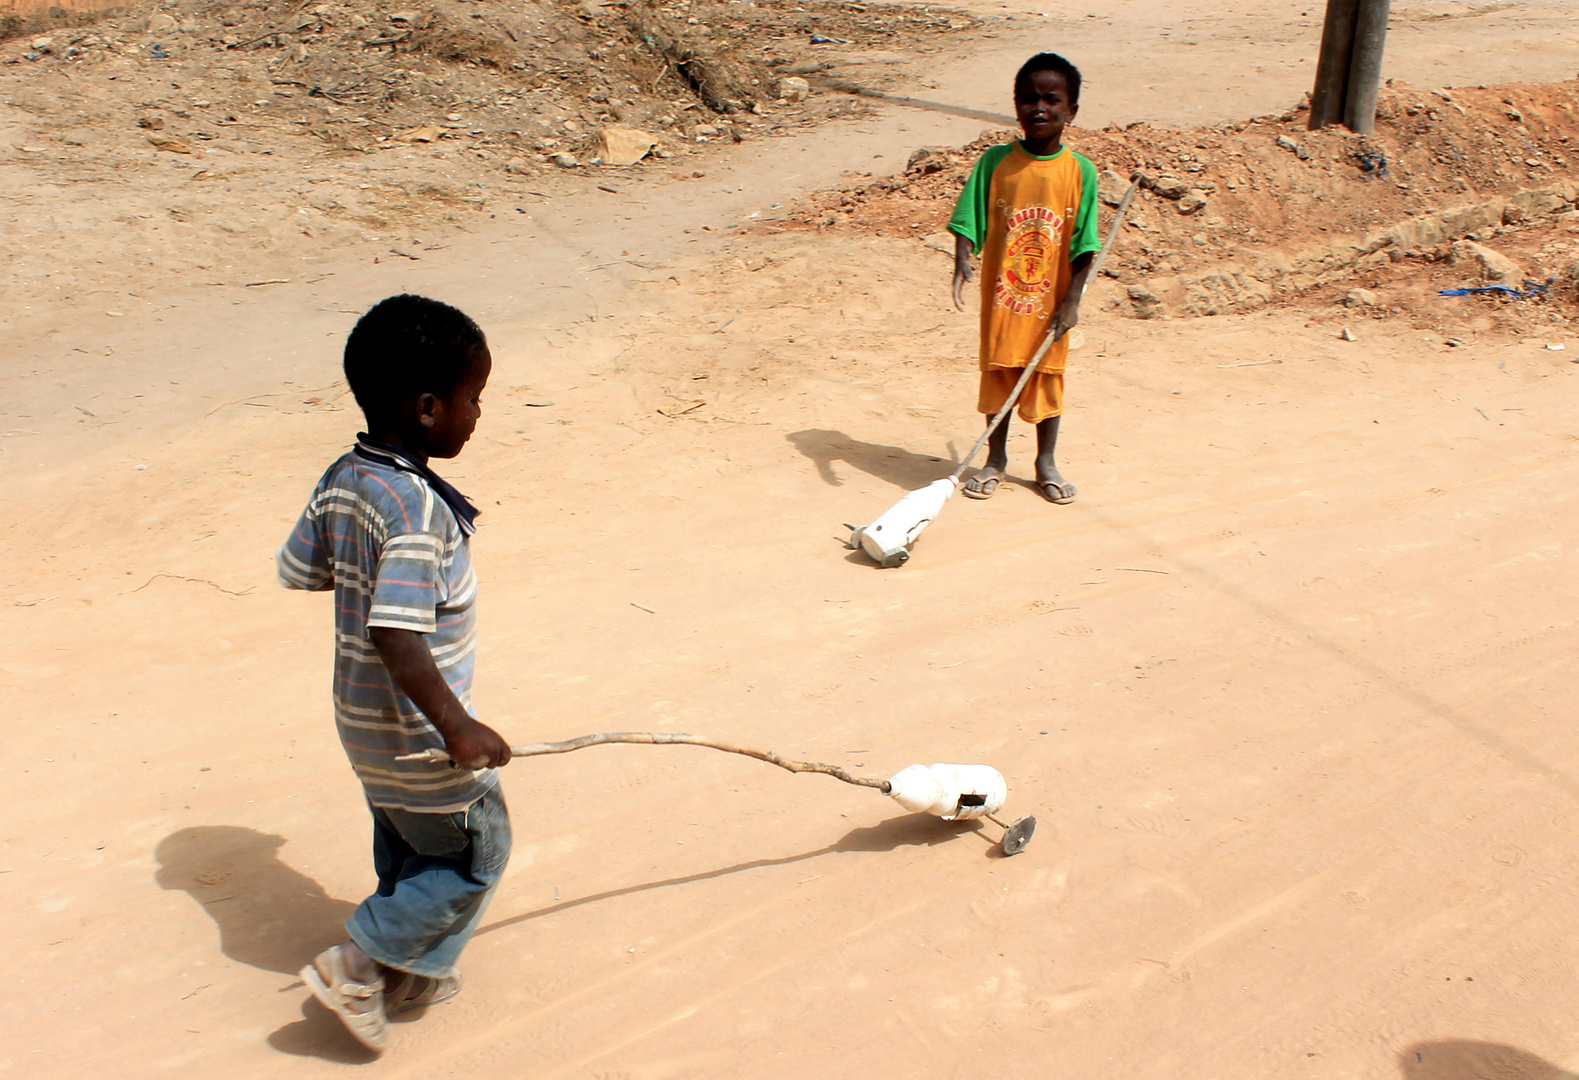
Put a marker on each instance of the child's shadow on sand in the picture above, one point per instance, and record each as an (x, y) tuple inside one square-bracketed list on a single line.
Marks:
[(894, 464), (269, 915)]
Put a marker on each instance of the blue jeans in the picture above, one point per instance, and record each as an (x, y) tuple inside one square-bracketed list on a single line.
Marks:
[(436, 874)]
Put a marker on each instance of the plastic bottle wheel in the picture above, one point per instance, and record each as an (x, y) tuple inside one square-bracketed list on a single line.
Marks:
[(1018, 835)]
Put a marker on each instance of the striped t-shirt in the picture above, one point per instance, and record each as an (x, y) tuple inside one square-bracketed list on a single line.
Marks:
[(392, 550)]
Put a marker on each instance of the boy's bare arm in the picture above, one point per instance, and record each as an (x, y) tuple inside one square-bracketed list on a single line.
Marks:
[(962, 271), (406, 655), (1067, 314)]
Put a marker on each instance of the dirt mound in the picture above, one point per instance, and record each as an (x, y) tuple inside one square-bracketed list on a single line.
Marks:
[(521, 82), (1238, 215)]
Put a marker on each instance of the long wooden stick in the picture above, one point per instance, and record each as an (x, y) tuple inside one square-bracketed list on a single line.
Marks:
[(666, 738), (1047, 343)]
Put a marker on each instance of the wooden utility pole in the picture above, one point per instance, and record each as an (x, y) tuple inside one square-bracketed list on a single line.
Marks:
[(1349, 70), (1332, 68), (1365, 68)]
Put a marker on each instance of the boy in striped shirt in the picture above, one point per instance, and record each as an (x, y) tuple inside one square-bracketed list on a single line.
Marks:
[(390, 538)]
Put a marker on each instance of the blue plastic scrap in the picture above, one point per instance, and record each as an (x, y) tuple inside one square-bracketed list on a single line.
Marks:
[(1532, 289)]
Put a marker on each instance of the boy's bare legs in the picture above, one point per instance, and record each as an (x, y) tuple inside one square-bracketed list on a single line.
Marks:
[(1049, 480)]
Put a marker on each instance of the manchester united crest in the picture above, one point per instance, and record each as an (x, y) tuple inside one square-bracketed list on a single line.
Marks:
[(1030, 254)]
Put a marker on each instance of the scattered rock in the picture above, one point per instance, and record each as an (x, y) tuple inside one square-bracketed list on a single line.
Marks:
[(623, 146), (1148, 305), (43, 44), (170, 143), (518, 166), (805, 67), (1293, 147), (926, 160), (1348, 335), (1111, 187), (1169, 187), (1491, 265), (151, 123), (794, 88), (1192, 201), (1360, 298), (704, 130), (427, 133), (564, 160), (160, 23)]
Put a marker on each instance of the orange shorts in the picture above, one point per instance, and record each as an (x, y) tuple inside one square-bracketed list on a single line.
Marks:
[(1042, 399)]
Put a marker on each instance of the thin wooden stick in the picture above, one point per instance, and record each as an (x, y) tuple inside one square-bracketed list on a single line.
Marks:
[(666, 738)]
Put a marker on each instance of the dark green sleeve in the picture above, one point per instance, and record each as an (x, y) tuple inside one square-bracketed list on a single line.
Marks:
[(1086, 236), (970, 212)]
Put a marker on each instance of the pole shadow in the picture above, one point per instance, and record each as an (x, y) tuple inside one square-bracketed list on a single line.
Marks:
[(1465, 1059), (893, 464), (269, 915)]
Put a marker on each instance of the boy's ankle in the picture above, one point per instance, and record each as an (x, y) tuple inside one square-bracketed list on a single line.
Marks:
[(360, 966)]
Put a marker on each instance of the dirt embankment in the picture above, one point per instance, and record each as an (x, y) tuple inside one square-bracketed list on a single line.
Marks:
[(1235, 216), (199, 136)]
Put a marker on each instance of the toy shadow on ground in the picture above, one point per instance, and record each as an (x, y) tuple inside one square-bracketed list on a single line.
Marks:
[(269, 915), (908, 830), (1464, 1059), (893, 464)]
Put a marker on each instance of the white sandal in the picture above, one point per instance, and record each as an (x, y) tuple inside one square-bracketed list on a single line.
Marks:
[(359, 1005), (436, 992)]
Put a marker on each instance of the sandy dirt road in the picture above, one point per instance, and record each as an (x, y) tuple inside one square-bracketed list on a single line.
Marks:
[(1288, 687)]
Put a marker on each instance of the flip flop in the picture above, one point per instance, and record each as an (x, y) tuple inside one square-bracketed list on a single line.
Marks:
[(429, 992), (1065, 491), (359, 1005), (984, 488)]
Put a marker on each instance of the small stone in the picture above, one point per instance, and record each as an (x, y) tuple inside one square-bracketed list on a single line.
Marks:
[(794, 88), (452, 116), (564, 160), (1111, 187), (1297, 150), (151, 123), (1170, 187), (704, 130), (1360, 298), (519, 166), (160, 23), (1348, 335), (170, 144), (926, 160), (43, 44), (1492, 265), (1192, 201), (623, 146)]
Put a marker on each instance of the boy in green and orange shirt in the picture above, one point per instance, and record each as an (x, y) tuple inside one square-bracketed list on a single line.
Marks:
[(1030, 210)]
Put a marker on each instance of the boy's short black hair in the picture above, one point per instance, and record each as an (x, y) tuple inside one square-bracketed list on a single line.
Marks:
[(1048, 61), (409, 345)]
